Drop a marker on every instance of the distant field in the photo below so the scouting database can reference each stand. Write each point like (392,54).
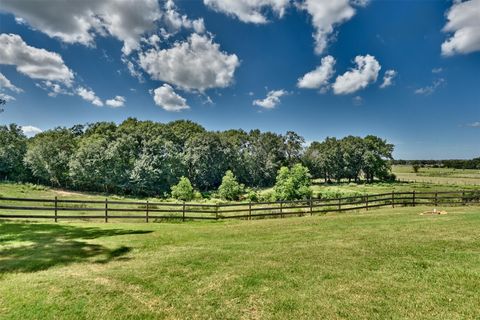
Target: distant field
(381,264)
(438,175)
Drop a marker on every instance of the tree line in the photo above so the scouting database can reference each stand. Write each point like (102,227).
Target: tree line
(451,163)
(147,158)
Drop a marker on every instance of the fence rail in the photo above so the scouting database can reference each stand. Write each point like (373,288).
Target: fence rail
(59,209)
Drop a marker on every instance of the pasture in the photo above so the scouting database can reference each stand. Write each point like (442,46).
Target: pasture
(386,263)
(445,176)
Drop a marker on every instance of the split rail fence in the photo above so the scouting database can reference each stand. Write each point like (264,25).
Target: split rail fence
(107,210)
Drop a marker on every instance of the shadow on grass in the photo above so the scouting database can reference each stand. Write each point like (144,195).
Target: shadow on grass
(26,247)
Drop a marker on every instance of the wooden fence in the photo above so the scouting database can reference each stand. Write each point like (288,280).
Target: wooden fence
(106,210)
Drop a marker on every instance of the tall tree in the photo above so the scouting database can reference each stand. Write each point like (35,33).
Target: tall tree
(13,147)
(48,156)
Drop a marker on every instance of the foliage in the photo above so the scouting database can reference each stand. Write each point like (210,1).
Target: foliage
(49,154)
(146,158)
(183,190)
(293,184)
(13,147)
(230,189)
(350,158)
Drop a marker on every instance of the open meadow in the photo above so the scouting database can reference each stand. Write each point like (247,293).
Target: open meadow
(386,263)
(446,176)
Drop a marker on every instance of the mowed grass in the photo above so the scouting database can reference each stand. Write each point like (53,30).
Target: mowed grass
(380,264)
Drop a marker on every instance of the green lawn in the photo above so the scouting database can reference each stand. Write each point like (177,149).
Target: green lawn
(380,264)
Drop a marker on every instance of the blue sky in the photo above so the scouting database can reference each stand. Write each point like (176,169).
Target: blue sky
(240,65)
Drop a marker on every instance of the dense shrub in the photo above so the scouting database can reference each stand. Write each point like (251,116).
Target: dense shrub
(230,189)
(183,190)
(293,184)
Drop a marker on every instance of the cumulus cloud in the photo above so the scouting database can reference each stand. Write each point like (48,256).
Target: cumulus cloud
(319,77)
(116,102)
(174,21)
(90,96)
(388,78)
(33,62)
(428,90)
(272,99)
(326,14)
(5,83)
(464,23)
(30,131)
(80,21)
(6,97)
(250,11)
(168,99)
(357,78)
(195,64)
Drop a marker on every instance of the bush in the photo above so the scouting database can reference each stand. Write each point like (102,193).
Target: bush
(252,195)
(230,189)
(293,184)
(183,190)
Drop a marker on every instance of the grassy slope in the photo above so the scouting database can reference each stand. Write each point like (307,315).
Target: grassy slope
(389,263)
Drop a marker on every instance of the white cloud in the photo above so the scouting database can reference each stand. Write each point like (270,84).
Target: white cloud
(250,11)
(357,101)
(80,21)
(464,23)
(6,97)
(388,78)
(272,99)
(475,124)
(116,102)
(168,99)
(174,21)
(359,77)
(195,64)
(5,83)
(326,14)
(428,90)
(90,96)
(319,77)
(437,70)
(30,131)
(33,62)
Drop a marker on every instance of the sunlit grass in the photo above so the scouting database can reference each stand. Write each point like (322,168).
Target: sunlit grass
(388,263)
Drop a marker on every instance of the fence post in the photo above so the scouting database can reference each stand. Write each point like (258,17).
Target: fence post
(366,203)
(393,199)
(436,199)
(311,206)
(339,204)
(464,201)
(413,198)
(281,209)
(250,210)
(146,213)
(56,208)
(106,210)
(216,211)
(183,212)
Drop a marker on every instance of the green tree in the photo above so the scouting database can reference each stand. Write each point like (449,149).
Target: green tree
(157,168)
(48,155)
(293,183)
(230,189)
(183,190)
(13,147)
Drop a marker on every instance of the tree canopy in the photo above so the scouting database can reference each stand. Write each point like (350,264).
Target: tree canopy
(147,158)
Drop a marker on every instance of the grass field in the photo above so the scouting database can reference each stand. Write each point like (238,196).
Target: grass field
(438,175)
(381,264)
